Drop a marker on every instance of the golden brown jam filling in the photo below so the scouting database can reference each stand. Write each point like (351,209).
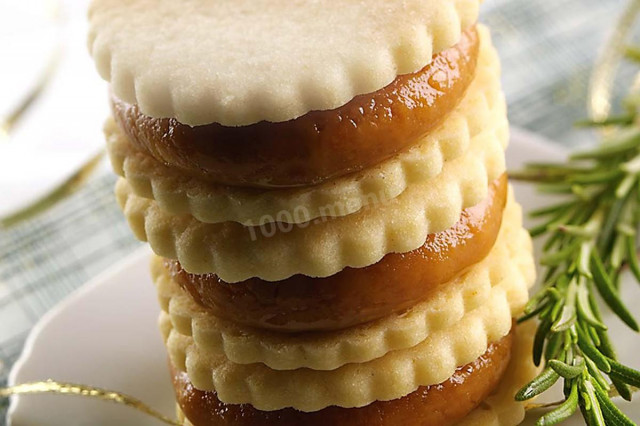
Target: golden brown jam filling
(443,404)
(319,145)
(354,295)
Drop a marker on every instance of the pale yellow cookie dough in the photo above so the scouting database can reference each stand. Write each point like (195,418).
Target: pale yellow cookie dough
(508,268)
(237,62)
(480,114)
(323,246)
(500,409)
(391,376)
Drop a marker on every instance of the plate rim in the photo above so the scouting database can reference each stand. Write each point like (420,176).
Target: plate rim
(74,297)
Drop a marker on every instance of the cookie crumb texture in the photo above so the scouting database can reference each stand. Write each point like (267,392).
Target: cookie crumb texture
(238,62)
(481,116)
(508,271)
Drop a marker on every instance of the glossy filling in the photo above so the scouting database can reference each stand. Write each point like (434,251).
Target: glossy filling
(319,145)
(443,404)
(354,295)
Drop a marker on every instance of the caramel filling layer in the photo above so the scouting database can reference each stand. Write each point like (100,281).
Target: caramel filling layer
(443,404)
(319,145)
(354,295)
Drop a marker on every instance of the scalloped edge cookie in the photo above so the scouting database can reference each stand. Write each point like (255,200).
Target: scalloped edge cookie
(324,246)
(256,70)
(391,376)
(508,266)
(482,110)
(499,409)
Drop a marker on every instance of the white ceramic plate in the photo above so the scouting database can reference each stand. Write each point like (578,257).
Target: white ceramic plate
(105,335)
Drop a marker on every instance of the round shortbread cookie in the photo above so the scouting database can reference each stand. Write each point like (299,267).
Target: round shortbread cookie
(508,267)
(324,246)
(480,114)
(237,62)
(500,409)
(391,376)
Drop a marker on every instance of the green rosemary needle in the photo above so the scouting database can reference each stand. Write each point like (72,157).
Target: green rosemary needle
(590,238)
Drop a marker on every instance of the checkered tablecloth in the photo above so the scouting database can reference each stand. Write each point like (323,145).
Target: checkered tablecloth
(548,48)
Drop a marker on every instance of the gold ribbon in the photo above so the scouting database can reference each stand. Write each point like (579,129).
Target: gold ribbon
(604,72)
(62,191)
(60,388)
(33,94)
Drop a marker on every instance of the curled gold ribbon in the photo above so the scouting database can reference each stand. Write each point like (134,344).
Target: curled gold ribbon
(7,123)
(61,388)
(603,76)
(62,191)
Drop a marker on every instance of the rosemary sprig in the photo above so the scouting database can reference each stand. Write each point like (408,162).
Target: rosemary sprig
(590,238)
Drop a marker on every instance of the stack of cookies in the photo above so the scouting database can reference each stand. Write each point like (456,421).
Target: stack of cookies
(324,188)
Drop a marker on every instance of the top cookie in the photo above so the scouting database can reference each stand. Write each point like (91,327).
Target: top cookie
(237,62)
